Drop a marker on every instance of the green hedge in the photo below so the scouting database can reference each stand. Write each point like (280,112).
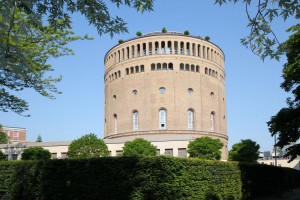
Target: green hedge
(140,178)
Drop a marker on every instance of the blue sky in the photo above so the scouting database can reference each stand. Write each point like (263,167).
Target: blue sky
(252,86)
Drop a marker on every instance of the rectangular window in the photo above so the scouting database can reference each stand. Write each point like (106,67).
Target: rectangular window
(182,153)
(16,134)
(168,152)
(63,155)
(135,121)
(53,155)
(190,120)
(162,119)
(157,152)
(119,153)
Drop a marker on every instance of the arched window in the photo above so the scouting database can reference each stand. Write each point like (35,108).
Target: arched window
(212,121)
(144,49)
(142,68)
(132,51)
(175,47)
(209,71)
(190,119)
(181,66)
(152,67)
(197,69)
(135,121)
(169,47)
(181,48)
(116,75)
(131,70)
(206,70)
(192,68)
(162,119)
(187,67)
(188,49)
(115,123)
(193,49)
(127,71)
(150,48)
(137,69)
(163,47)
(165,66)
(138,50)
(156,48)
(119,74)
(158,66)
(127,50)
(170,67)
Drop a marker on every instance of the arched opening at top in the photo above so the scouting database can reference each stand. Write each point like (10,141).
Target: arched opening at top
(170,66)
(156,48)
(169,47)
(190,119)
(163,47)
(165,66)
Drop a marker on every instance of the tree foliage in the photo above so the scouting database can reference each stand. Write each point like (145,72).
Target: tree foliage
(286,123)
(27,42)
(3,137)
(262,40)
(205,148)
(139,147)
(2,156)
(244,151)
(88,146)
(35,153)
(39,138)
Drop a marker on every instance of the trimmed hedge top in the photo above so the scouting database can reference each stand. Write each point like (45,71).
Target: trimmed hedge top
(140,178)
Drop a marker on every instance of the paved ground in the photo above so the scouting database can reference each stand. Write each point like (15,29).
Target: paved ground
(291,195)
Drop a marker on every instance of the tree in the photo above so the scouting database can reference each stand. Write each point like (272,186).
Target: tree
(163,30)
(2,156)
(35,153)
(286,123)
(262,40)
(39,138)
(3,137)
(244,151)
(205,148)
(26,43)
(139,147)
(88,146)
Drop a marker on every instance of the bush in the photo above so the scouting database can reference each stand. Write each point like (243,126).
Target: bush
(141,178)
(121,41)
(139,147)
(205,148)
(207,38)
(164,30)
(88,146)
(2,156)
(139,33)
(35,153)
(186,32)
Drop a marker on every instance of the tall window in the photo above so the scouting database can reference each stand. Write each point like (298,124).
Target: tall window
(212,121)
(190,119)
(135,121)
(115,123)
(162,119)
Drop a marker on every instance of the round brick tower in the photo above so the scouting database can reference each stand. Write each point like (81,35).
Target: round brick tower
(164,84)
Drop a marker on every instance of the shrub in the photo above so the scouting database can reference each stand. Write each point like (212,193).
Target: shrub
(139,34)
(88,146)
(205,148)
(164,30)
(2,156)
(139,147)
(207,38)
(186,32)
(121,41)
(35,153)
